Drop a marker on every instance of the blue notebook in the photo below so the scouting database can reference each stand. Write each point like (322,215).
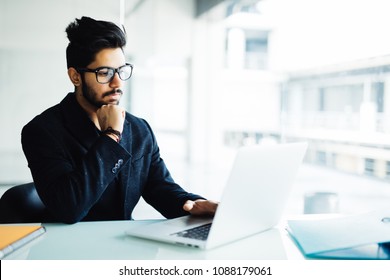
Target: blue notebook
(361,236)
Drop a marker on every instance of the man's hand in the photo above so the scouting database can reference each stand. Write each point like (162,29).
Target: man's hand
(200,207)
(111,116)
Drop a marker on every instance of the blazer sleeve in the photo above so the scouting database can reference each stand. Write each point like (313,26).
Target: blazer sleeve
(161,191)
(69,188)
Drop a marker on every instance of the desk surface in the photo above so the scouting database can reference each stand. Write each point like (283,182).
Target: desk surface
(107,240)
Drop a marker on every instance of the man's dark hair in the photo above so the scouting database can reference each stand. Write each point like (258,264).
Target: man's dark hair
(87,37)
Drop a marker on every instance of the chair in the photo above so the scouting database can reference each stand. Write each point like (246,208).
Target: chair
(21,204)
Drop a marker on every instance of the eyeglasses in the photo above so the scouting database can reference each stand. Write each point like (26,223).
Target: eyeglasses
(105,74)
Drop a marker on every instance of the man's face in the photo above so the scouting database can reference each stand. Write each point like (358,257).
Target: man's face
(98,94)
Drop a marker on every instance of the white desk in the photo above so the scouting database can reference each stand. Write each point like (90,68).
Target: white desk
(107,240)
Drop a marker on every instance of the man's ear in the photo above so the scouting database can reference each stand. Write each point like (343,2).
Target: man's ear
(74,76)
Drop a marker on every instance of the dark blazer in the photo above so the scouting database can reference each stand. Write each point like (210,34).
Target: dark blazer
(82,175)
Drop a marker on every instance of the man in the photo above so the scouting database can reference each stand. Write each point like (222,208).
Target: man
(91,160)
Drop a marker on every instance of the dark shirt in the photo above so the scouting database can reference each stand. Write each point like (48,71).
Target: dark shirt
(82,175)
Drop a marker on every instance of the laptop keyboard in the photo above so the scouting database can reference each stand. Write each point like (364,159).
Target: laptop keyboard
(200,232)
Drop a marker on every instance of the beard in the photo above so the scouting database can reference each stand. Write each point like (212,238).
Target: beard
(91,96)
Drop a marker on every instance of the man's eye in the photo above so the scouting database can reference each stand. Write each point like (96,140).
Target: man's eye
(104,73)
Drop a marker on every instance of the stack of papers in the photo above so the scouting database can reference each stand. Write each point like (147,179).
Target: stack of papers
(351,237)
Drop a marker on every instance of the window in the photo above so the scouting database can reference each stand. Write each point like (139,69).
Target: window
(388,169)
(369,166)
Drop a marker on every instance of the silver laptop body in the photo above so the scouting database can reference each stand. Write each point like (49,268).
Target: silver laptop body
(253,200)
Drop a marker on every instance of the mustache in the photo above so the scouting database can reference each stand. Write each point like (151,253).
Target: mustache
(114,91)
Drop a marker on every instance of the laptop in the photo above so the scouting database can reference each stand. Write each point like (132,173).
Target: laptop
(252,201)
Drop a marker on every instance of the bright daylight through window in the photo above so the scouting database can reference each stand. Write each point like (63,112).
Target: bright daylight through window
(303,70)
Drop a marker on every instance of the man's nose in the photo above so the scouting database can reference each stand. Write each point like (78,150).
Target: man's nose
(116,82)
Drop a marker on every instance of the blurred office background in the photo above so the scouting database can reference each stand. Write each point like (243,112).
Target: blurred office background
(211,76)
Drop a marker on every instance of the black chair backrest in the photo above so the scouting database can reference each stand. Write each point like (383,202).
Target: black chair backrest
(21,204)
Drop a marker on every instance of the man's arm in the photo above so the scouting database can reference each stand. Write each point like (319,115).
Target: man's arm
(68,178)
(160,190)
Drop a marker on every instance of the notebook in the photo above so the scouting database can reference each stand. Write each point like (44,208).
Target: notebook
(353,236)
(253,199)
(13,237)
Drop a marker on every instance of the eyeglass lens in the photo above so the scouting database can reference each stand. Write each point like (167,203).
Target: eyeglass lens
(105,75)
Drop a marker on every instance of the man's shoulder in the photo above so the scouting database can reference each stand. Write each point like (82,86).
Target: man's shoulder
(136,121)
(47,116)
(53,114)
(138,127)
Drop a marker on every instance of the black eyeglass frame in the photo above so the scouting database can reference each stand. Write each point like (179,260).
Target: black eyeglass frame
(116,70)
